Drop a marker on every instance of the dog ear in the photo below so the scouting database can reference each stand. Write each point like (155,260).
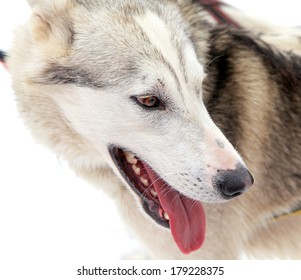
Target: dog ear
(50,23)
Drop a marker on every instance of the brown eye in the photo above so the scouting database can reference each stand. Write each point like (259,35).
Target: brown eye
(149,102)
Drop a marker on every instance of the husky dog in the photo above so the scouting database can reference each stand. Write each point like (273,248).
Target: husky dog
(162,108)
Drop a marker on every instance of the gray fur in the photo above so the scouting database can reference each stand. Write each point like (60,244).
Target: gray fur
(252,91)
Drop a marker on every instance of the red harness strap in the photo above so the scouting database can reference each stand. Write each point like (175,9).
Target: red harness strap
(213,8)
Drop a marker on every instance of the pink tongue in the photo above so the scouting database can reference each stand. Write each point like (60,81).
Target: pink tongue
(186,216)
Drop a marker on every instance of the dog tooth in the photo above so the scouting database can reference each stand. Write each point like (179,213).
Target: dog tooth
(144,181)
(154,193)
(136,169)
(130,158)
(165,215)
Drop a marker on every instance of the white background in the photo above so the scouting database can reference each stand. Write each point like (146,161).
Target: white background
(49,219)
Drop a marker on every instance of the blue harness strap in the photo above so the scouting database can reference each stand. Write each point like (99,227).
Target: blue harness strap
(3,57)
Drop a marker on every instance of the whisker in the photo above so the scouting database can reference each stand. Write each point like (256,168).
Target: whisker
(210,62)
(218,35)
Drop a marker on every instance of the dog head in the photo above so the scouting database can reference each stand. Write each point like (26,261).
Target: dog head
(124,77)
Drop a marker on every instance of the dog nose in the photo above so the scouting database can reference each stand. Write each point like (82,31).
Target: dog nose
(232,183)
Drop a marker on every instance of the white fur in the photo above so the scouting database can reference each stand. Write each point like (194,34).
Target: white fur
(80,122)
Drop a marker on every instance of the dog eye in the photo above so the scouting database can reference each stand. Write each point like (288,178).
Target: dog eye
(150,102)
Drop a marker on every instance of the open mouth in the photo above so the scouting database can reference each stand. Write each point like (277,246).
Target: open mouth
(185,217)
(134,171)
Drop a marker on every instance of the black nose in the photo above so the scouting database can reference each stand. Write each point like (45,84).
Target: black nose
(232,183)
